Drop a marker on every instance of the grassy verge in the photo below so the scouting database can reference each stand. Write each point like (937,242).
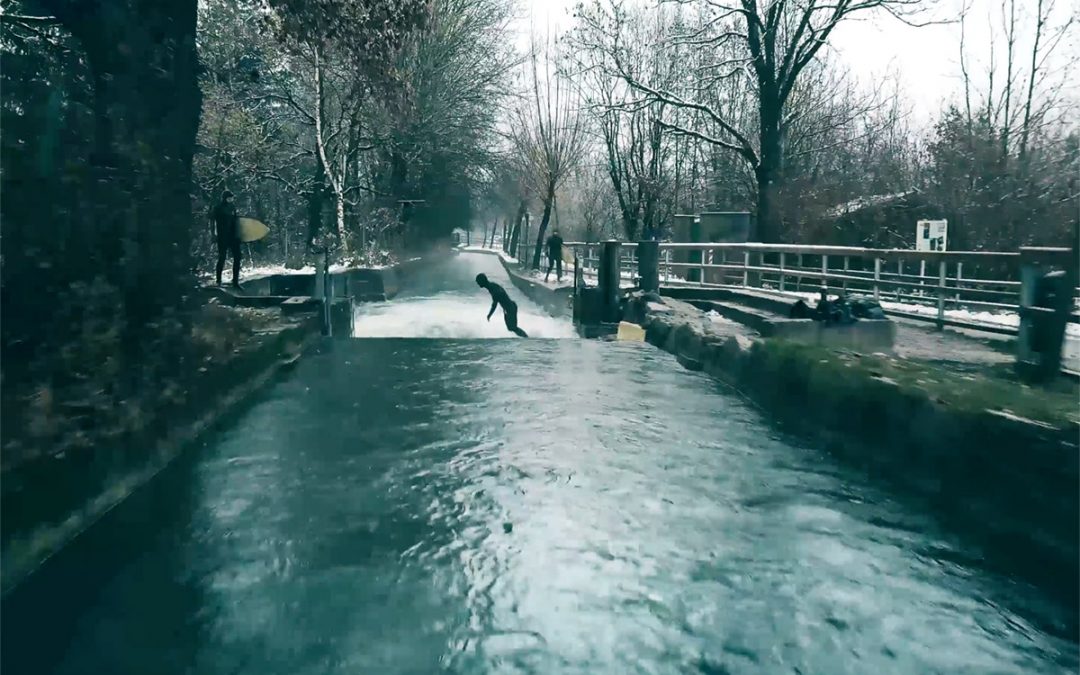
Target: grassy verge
(989,389)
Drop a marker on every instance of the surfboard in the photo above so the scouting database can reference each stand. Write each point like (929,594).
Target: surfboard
(251,229)
(630,332)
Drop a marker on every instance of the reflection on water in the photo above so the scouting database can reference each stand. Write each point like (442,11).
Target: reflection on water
(534,506)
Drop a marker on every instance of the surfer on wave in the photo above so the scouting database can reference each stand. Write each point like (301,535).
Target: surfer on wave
(500,297)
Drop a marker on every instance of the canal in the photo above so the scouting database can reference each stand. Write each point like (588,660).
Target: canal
(433,504)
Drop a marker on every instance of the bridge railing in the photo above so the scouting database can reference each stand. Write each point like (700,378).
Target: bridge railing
(926,282)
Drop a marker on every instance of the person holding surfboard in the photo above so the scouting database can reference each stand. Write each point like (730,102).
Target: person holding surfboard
(227,226)
(500,297)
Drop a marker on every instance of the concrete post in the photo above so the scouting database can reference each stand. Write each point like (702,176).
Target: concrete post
(1047,286)
(609,280)
(649,265)
(940,295)
(327,293)
(959,278)
(688,230)
(877,279)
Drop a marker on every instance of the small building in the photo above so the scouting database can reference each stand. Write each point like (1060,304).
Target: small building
(723,227)
(459,236)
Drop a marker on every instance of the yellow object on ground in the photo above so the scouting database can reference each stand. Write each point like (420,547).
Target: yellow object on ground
(630,332)
(251,229)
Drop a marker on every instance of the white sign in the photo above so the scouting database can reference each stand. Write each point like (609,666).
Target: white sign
(931,235)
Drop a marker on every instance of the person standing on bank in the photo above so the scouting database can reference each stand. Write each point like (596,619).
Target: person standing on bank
(227,230)
(554,251)
(499,297)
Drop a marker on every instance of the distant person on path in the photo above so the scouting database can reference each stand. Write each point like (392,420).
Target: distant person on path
(226,224)
(554,251)
(499,297)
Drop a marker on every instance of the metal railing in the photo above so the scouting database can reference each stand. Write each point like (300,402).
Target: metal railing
(970,280)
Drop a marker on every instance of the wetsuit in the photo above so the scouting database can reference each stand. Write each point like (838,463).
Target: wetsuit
(499,298)
(554,250)
(228,239)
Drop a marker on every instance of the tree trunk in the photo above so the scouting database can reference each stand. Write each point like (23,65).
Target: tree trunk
(315,205)
(339,210)
(147,105)
(336,182)
(768,174)
(543,229)
(515,233)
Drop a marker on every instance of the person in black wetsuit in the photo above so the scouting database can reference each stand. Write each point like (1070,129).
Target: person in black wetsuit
(226,226)
(554,251)
(499,297)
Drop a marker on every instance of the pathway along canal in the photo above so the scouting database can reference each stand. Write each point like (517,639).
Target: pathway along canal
(544,506)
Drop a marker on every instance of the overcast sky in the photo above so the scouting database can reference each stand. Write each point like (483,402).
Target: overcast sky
(926,59)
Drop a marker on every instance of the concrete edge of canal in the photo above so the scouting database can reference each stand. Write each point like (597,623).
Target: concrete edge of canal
(1017,477)
(125,471)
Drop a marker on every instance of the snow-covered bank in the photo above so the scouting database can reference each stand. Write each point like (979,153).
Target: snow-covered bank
(247,272)
(999,318)
(497,251)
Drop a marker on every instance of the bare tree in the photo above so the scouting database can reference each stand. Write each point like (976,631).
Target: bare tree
(768,46)
(548,133)
(637,152)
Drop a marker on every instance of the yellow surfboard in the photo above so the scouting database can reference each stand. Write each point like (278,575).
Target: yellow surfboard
(630,332)
(251,229)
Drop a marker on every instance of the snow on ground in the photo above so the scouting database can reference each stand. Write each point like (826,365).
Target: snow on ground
(716,317)
(248,272)
(484,249)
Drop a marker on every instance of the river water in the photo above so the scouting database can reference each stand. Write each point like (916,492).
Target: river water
(519,506)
